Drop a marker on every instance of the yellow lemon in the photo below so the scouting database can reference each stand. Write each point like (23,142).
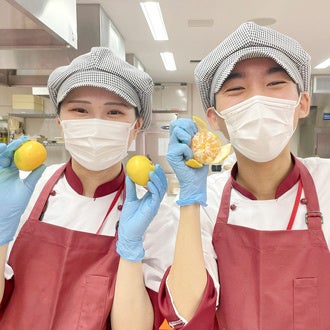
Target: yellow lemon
(138,168)
(30,155)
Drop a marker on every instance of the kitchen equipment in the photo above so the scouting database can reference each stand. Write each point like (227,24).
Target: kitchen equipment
(3,131)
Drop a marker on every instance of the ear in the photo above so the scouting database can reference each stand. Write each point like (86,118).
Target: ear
(137,127)
(212,118)
(304,105)
(58,122)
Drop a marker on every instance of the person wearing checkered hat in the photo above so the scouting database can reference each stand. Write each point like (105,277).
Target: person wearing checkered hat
(252,249)
(90,250)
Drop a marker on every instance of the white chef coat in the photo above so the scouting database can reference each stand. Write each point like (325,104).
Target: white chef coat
(73,211)
(263,214)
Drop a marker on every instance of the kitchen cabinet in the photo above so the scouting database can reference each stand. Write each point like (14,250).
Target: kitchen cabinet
(171,97)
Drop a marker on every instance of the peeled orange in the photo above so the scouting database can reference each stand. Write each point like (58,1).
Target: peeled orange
(138,168)
(205,145)
(30,155)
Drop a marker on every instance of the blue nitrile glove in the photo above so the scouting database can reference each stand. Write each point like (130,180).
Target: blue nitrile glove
(138,213)
(192,180)
(14,192)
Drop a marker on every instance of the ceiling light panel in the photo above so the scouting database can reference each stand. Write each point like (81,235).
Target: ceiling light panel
(324,64)
(154,17)
(168,60)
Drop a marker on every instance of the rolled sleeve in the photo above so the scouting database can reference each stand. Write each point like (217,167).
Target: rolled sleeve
(205,315)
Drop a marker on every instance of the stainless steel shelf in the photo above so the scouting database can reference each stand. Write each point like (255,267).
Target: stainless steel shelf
(31,115)
(53,144)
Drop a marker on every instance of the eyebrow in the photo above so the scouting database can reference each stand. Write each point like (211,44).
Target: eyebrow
(106,103)
(276,69)
(271,70)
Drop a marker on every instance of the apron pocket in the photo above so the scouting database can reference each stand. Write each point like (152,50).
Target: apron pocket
(306,304)
(94,307)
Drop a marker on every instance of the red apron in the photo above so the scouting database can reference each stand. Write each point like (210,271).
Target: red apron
(64,279)
(273,280)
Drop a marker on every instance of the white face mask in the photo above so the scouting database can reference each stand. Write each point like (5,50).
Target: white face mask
(260,127)
(96,144)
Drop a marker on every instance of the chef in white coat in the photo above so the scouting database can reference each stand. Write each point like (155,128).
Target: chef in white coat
(85,254)
(264,235)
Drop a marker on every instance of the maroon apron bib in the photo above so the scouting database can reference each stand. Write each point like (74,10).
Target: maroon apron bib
(273,280)
(64,279)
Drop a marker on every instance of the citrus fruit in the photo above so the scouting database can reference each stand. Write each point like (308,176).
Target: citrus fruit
(223,154)
(30,155)
(138,168)
(205,146)
(193,163)
(200,123)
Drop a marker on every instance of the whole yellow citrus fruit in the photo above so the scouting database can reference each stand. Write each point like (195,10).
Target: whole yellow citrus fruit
(138,168)
(30,155)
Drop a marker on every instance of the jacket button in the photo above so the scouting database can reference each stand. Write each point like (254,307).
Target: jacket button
(303,201)
(233,207)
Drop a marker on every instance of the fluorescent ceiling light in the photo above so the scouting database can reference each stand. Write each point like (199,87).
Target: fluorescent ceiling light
(154,17)
(324,64)
(168,60)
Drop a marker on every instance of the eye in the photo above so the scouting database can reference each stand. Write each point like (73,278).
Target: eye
(234,89)
(79,110)
(232,86)
(276,82)
(114,112)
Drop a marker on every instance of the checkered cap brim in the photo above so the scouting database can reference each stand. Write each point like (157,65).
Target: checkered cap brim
(101,68)
(249,41)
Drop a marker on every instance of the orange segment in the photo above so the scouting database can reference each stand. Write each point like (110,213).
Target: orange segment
(205,146)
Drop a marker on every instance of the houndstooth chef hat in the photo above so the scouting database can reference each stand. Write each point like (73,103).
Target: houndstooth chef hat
(101,68)
(248,41)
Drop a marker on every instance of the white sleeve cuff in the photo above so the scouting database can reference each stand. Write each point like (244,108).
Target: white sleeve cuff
(181,320)
(9,273)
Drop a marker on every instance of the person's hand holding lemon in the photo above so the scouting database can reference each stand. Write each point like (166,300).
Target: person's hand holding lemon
(138,168)
(137,212)
(14,192)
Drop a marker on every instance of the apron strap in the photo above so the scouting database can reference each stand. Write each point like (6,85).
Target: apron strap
(223,213)
(313,217)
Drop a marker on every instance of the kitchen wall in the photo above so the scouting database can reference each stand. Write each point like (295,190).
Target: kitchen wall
(35,127)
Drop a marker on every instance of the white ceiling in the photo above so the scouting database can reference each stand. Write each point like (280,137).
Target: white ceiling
(307,21)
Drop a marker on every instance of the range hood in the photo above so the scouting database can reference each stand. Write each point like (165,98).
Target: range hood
(41,23)
(38,36)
